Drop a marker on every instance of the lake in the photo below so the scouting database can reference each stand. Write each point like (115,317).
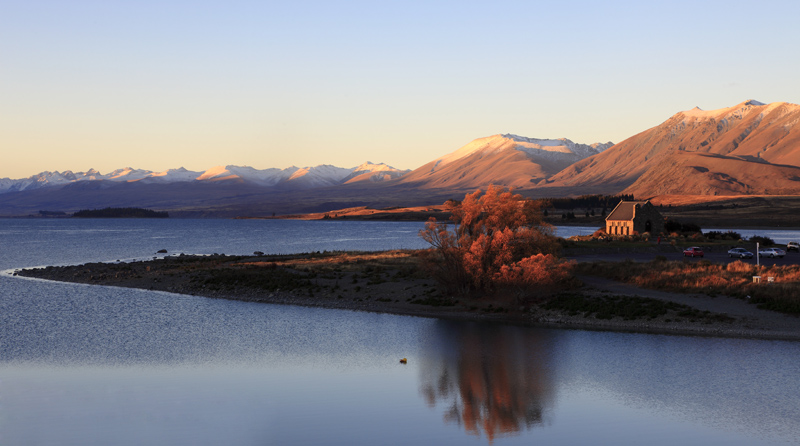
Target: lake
(93,365)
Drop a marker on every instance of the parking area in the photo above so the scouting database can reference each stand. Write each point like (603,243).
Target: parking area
(791,258)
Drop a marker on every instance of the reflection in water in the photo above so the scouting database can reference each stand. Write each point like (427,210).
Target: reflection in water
(731,385)
(84,364)
(490,379)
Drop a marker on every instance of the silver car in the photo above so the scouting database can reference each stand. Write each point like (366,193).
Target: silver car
(771,252)
(740,253)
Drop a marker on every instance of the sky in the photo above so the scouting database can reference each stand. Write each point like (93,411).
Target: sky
(165,84)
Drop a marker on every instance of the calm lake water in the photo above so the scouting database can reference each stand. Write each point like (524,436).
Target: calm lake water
(91,365)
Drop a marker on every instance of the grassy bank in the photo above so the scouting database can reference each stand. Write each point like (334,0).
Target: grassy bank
(734,279)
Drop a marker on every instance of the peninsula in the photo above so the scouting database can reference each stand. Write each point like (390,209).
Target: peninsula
(393,282)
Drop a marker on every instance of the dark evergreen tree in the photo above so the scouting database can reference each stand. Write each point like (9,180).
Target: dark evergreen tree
(120,213)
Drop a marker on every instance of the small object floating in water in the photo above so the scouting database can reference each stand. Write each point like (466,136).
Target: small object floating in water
(403,361)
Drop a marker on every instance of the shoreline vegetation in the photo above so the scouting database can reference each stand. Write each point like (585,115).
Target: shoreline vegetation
(744,211)
(120,213)
(395,282)
(108,212)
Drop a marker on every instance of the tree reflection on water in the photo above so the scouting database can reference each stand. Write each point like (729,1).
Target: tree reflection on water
(488,378)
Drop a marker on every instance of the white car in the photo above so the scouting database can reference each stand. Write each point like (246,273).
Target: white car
(771,252)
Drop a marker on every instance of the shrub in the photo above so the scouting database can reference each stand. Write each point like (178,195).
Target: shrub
(762,240)
(627,308)
(536,270)
(672,226)
(499,239)
(740,267)
(690,227)
(719,235)
(270,279)
(732,235)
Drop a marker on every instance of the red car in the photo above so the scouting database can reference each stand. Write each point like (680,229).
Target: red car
(694,251)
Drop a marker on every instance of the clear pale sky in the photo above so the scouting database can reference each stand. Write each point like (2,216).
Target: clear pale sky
(163,84)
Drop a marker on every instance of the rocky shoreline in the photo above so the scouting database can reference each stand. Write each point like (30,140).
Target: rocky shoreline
(390,282)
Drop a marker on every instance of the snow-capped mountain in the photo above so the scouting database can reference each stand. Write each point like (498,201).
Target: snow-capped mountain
(265,177)
(749,148)
(374,173)
(128,174)
(47,178)
(561,149)
(291,177)
(553,150)
(169,176)
(508,160)
(319,176)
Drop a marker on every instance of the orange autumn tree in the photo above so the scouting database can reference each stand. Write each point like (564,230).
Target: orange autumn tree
(498,240)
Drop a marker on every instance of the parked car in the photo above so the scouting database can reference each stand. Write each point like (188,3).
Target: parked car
(740,253)
(694,251)
(793,246)
(771,252)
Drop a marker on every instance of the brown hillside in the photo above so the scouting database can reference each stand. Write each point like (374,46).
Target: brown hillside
(508,168)
(506,160)
(750,148)
(686,173)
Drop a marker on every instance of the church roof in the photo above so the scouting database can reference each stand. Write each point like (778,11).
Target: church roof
(624,210)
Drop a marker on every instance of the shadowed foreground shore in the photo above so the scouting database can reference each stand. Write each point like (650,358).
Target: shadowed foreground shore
(392,282)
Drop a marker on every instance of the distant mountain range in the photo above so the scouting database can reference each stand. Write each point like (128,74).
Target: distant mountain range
(750,148)
(291,177)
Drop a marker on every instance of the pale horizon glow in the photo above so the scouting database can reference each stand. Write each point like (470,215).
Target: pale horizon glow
(162,85)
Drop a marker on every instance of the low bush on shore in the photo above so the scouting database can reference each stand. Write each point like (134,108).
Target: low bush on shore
(762,240)
(732,279)
(725,236)
(629,308)
(433,301)
(269,279)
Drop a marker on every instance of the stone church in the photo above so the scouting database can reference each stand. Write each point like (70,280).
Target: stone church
(634,217)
